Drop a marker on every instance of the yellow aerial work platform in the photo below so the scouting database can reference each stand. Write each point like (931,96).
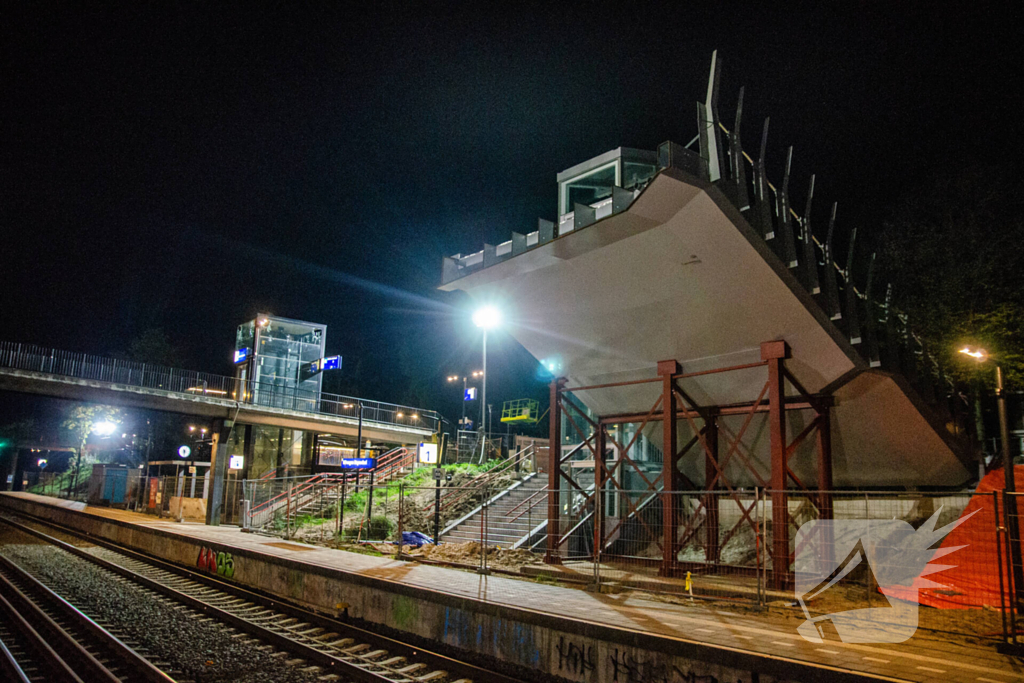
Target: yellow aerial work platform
(520,411)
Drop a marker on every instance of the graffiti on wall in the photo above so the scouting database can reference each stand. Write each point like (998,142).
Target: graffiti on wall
(629,669)
(575,659)
(221,564)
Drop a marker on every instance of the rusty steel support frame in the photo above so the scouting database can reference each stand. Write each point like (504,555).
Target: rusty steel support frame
(667,370)
(774,354)
(673,405)
(554,471)
(712,549)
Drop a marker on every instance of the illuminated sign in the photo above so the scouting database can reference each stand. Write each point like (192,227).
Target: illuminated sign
(236,462)
(470,394)
(242,355)
(358,463)
(428,453)
(308,370)
(184,451)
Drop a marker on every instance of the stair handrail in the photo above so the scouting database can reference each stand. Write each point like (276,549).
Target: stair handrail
(498,496)
(309,482)
(387,467)
(525,500)
(460,493)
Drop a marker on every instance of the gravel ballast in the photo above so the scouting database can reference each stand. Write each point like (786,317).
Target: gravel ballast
(197,649)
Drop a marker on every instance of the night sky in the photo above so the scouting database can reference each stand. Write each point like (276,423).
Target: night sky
(185,166)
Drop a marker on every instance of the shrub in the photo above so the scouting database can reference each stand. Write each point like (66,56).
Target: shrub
(379,528)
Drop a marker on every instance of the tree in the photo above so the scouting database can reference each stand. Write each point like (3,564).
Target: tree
(952,250)
(81,422)
(153,346)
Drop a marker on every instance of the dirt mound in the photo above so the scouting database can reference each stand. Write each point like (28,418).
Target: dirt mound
(468,553)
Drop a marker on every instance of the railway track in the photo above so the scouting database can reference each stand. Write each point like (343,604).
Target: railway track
(342,652)
(46,638)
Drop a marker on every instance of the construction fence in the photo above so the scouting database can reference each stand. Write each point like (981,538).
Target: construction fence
(948,562)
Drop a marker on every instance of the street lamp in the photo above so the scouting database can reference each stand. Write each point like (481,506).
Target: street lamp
(486,318)
(465,388)
(1009,484)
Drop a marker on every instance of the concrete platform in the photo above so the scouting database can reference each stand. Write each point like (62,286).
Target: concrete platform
(563,632)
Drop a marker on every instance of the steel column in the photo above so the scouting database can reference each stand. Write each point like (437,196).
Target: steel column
(712,552)
(670,472)
(554,471)
(599,481)
(825,464)
(774,353)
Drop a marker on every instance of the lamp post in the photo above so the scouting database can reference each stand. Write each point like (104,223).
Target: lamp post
(486,318)
(465,387)
(1009,483)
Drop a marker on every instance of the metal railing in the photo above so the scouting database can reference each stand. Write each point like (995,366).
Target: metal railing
(190,383)
(452,497)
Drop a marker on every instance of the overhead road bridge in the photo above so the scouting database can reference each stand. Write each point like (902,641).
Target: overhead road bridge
(80,377)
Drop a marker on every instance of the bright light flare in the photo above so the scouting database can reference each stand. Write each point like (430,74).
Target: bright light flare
(487,318)
(104,428)
(976,354)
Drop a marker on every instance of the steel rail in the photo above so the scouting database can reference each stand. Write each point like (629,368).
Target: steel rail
(81,644)
(9,666)
(19,634)
(345,649)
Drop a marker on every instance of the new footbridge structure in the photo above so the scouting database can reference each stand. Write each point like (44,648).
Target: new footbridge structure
(686,308)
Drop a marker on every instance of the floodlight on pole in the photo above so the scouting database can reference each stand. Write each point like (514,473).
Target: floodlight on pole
(486,318)
(104,428)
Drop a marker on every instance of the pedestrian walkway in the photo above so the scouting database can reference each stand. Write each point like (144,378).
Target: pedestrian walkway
(929,656)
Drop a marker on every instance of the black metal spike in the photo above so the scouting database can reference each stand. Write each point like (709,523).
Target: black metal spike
(851,312)
(785,223)
(831,285)
(738,178)
(709,131)
(810,258)
(762,200)
(871,345)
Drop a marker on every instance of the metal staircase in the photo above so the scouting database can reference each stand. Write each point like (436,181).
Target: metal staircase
(511,518)
(286,499)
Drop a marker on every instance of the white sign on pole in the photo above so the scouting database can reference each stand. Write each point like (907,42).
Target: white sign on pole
(237,462)
(428,453)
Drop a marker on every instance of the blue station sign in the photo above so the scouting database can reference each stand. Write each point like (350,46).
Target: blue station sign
(242,355)
(358,463)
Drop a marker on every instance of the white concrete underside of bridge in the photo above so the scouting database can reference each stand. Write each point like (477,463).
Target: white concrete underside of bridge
(201,406)
(682,275)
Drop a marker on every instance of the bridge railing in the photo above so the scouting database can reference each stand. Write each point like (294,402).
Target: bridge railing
(192,383)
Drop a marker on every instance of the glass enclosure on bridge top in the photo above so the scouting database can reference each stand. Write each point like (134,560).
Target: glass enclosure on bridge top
(273,356)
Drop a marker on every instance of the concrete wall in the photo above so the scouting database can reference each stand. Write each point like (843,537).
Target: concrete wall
(530,642)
